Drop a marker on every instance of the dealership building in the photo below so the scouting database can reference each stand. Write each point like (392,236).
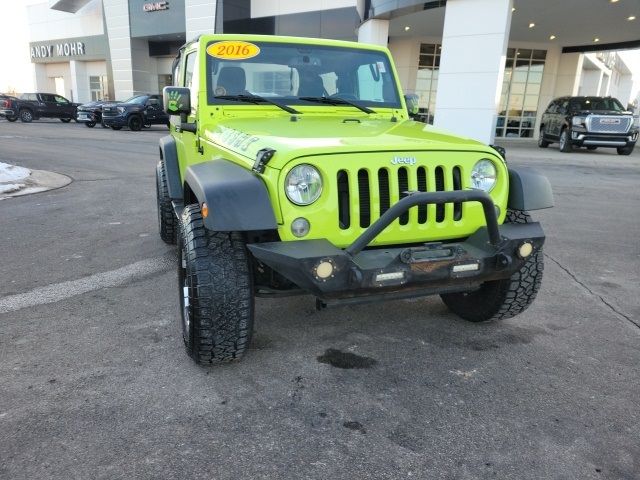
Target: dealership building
(482,68)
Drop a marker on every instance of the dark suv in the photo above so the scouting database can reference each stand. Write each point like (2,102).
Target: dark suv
(590,122)
(137,112)
(91,113)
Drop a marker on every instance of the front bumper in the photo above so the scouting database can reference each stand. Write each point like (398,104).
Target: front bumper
(582,138)
(84,116)
(119,121)
(330,273)
(6,112)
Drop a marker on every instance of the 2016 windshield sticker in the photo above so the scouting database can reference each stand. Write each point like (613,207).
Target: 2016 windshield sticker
(233,50)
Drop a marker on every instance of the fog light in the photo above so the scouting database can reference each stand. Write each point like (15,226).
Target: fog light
(466,267)
(300,227)
(525,249)
(324,269)
(385,277)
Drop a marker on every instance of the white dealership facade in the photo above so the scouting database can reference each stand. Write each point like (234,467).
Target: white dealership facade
(482,68)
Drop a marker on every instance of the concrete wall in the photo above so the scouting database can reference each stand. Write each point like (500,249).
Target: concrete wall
(46,24)
(117,22)
(200,17)
(474,44)
(266,8)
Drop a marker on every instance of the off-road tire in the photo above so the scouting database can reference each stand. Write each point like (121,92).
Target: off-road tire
(12,118)
(625,150)
(65,120)
(501,299)
(135,123)
(26,115)
(542,143)
(215,289)
(167,220)
(90,124)
(565,141)
(116,128)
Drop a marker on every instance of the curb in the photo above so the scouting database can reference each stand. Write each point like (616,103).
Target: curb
(39,181)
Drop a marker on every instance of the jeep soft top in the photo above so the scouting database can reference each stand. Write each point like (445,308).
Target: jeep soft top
(294,166)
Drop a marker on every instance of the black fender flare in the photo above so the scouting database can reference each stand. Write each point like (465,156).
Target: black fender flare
(169,155)
(528,190)
(237,198)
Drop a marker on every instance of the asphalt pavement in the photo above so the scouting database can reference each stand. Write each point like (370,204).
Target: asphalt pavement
(95,383)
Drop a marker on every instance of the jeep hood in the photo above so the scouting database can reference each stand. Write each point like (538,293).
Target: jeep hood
(324,135)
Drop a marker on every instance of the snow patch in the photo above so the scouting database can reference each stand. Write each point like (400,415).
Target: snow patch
(10,187)
(12,173)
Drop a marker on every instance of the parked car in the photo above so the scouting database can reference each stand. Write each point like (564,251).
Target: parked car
(590,122)
(8,107)
(137,112)
(33,106)
(328,187)
(91,113)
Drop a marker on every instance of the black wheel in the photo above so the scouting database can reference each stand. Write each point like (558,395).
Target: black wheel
(26,115)
(215,289)
(542,143)
(565,141)
(625,150)
(591,147)
(12,118)
(65,120)
(501,299)
(90,124)
(116,128)
(167,220)
(135,123)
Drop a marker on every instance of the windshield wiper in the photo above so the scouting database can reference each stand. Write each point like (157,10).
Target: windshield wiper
(257,99)
(337,101)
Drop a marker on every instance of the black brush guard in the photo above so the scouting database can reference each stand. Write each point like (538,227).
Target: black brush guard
(491,253)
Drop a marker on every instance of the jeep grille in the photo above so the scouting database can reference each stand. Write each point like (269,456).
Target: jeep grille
(388,186)
(600,124)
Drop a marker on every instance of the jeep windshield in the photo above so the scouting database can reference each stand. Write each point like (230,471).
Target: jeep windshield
(595,103)
(300,74)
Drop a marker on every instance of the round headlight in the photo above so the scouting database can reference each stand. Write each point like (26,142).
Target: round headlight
(303,185)
(483,175)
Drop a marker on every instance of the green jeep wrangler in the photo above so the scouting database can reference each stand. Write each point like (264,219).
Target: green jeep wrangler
(293,166)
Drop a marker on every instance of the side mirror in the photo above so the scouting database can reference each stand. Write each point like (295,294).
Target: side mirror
(412,104)
(177,100)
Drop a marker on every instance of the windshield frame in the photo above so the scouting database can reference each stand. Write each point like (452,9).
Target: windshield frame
(295,99)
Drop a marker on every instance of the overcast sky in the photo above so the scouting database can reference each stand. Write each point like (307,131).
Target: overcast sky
(16,69)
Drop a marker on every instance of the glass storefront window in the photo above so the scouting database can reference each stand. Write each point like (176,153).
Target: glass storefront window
(98,88)
(427,80)
(520,92)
